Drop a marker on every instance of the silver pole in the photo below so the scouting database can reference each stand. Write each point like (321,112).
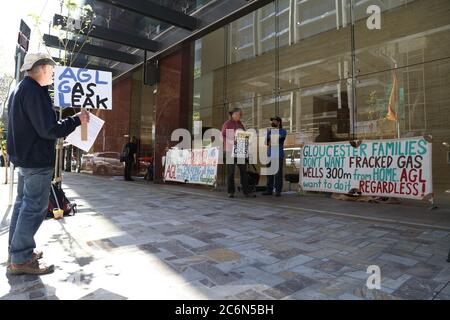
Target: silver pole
(11,166)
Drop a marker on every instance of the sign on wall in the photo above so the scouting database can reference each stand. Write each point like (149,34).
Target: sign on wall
(82,88)
(197,166)
(394,168)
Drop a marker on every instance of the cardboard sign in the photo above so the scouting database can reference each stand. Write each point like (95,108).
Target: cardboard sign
(398,168)
(76,139)
(198,166)
(241,144)
(83,88)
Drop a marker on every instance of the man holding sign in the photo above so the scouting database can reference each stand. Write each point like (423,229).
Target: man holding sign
(34,128)
(230,130)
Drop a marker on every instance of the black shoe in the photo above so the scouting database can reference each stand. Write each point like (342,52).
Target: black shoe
(278,194)
(267,193)
(231,195)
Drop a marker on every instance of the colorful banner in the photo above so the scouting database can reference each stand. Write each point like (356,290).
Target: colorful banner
(83,88)
(197,166)
(398,168)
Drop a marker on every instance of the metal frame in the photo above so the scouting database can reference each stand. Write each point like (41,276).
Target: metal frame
(112,35)
(92,50)
(156,11)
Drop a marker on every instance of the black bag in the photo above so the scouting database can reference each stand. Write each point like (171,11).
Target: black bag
(253,181)
(58,200)
(253,177)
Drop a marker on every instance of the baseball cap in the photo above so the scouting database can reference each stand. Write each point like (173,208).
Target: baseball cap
(276,118)
(34,59)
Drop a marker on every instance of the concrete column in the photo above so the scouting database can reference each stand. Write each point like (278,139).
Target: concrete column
(173,107)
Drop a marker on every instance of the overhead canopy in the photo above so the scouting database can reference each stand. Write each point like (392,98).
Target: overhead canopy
(122,30)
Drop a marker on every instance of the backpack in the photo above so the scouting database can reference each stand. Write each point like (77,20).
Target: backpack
(58,200)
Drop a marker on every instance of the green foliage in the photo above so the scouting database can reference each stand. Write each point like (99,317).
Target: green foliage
(2,139)
(5,82)
(79,19)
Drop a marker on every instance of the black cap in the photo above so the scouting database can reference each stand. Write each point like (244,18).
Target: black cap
(276,118)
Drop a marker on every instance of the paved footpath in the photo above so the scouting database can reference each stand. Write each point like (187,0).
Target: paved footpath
(144,241)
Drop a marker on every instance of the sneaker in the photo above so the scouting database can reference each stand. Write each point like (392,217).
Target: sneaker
(267,193)
(231,195)
(30,267)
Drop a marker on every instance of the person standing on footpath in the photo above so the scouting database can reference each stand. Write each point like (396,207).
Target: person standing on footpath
(129,154)
(277,156)
(33,129)
(234,124)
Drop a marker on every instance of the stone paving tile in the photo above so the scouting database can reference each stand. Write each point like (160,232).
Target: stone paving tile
(415,288)
(287,264)
(372,294)
(310,294)
(216,275)
(289,287)
(399,259)
(260,256)
(395,284)
(223,255)
(251,295)
(330,266)
(232,265)
(102,294)
(424,270)
(312,273)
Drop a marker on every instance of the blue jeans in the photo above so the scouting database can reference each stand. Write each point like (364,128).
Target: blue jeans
(30,209)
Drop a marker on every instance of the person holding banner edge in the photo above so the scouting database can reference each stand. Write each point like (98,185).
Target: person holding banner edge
(231,126)
(34,129)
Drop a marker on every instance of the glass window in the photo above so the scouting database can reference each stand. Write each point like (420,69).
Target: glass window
(412,32)
(251,55)
(305,39)
(209,70)
(419,107)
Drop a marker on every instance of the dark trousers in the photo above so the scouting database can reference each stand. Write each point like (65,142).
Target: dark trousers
(30,209)
(230,177)
(277,178)
(128,168)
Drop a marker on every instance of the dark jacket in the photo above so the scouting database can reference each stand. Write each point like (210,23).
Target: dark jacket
(33,126)
(130,150)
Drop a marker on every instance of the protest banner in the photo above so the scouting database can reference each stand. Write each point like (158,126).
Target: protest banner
(198,166)
(398,168)
(241,146)
(82,88)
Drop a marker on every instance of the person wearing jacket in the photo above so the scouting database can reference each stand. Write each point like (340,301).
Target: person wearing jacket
(129,153)
(278,153)
(33,129)
(234,124)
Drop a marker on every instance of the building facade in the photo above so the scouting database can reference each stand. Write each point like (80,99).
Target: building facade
(331,69)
